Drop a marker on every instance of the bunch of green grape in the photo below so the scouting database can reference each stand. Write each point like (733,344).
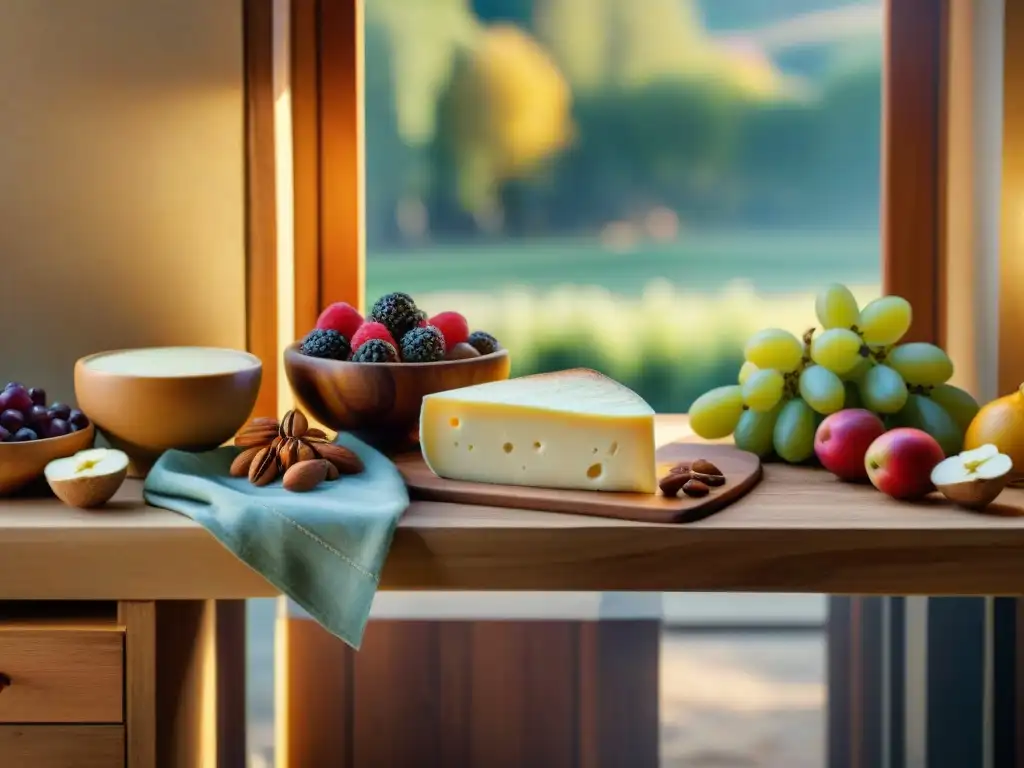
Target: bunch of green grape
(787,385)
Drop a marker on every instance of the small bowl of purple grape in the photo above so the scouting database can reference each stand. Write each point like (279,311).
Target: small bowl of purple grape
(34,432)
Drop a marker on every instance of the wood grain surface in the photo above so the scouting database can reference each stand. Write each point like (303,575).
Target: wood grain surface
(742,470)
(62,746)
(61,675)
(799,530)
(381,397)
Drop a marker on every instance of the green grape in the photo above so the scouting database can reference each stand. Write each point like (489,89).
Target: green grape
(882,390)
(837,349)
(715,414)
(746,370)
(763,390)
(755,431)
(793,436)
(822,390)
(921,363)
(957,403)
(774,348)
(836,307)
(852,399)
(925,414)
(885,320)
(856,373)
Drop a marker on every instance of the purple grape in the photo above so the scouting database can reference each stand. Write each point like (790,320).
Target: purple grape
(24,435)
(17,399)
(39,417)
(12,420)
(60,411)
(78,419)
(12,385)
(57,428)
(38,395)
(5,436)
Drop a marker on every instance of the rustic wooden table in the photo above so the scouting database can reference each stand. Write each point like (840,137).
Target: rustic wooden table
(798,531)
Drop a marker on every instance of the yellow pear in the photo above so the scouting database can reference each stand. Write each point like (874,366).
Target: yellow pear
(1001,423)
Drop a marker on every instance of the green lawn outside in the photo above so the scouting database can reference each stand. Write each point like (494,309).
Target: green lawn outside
(668,321)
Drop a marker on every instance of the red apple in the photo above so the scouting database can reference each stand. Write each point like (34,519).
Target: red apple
(842,441)
(900,463)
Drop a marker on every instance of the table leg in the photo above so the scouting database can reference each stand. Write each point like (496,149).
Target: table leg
(200,683)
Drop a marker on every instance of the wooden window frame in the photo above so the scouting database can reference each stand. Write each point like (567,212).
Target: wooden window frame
(326,89)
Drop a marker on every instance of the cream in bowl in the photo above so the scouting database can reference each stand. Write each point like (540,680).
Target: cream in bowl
(146,401)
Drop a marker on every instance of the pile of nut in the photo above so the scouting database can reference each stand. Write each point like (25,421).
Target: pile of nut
(302,456)
(695,479)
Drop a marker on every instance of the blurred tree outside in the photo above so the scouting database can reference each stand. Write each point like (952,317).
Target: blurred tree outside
(566,115)
(523,154)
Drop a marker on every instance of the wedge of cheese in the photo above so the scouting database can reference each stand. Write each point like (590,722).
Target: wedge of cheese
(572,429)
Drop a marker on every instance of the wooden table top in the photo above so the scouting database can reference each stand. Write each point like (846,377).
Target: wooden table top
(798,531)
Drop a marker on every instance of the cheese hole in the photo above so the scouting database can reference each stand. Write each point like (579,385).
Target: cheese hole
(538,447)
(507,447)
(469,447)
(594,471)
(595,450)
(454,421)
(614,449)
(456,443)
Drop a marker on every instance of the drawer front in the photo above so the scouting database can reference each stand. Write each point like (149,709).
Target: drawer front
(62,746)
(61,675)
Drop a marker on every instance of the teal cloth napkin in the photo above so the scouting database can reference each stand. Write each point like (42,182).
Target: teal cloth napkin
(324,549)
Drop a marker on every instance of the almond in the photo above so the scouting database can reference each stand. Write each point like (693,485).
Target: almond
(305,476)
(705,467)
(294,424)
(341,457)
(263,421)
(240,466)
(673,482)
(293,450)
(712,480)
(680,469)
(332,471)
(315,434)
(695,488)
(263,468)
(255,435)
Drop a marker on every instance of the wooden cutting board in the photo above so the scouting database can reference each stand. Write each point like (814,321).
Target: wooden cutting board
(742,472)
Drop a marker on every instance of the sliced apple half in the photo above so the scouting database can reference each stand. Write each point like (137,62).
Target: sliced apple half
(973,479)
(89,478)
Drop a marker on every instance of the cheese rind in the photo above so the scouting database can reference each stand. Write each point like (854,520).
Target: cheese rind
(574,429)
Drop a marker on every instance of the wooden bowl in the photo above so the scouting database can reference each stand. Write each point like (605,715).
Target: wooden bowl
(381,401)
(145,415)
(21,463)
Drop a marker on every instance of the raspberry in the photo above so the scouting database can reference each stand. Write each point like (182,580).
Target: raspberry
(340,317)
(452,326)
(371,330)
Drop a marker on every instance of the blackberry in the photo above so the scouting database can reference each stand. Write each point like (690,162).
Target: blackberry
(375,351)
(327,344)
(397,312)
(483,343)
(423,345)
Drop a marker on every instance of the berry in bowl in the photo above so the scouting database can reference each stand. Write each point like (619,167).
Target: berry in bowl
(369,375)
(34,433)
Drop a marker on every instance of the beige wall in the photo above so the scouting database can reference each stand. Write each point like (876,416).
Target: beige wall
(121,180)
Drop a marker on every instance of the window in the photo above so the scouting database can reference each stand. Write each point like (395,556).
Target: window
(601,233)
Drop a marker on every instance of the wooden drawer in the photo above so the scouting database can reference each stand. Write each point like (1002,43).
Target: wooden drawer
(61,672)
(62,746)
